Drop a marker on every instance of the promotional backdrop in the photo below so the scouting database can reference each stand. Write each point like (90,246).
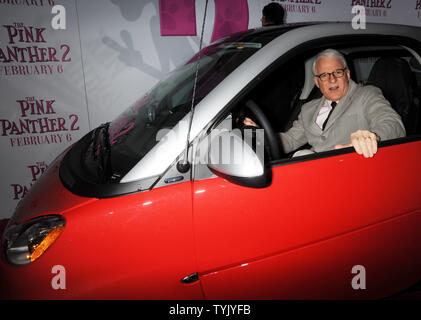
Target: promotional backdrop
(56,84)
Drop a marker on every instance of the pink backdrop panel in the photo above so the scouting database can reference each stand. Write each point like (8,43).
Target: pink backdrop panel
(230,17)
(177,18)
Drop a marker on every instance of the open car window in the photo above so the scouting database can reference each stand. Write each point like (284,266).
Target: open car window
(286,87)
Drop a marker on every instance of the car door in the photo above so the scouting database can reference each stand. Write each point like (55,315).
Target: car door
(337,226)
(330,225)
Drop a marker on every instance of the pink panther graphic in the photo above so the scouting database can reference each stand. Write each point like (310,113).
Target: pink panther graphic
(178,18)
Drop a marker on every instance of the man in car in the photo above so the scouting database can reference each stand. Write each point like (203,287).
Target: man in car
(347,115)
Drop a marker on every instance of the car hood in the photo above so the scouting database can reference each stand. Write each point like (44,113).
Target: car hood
(48,196)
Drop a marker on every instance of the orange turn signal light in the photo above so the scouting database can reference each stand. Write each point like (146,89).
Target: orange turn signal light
(45,243)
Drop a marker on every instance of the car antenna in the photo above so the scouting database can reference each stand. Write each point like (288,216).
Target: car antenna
(183,166)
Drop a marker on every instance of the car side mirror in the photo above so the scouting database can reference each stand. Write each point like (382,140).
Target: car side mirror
(231,157)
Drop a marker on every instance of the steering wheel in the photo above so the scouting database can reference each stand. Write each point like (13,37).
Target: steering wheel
(267,127)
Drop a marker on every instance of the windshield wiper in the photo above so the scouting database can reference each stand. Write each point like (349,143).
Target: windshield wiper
(101,152)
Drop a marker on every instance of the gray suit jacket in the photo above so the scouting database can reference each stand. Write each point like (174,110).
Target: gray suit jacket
(363,107)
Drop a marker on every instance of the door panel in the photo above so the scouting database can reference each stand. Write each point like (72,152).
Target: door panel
(307,203)
(323,270)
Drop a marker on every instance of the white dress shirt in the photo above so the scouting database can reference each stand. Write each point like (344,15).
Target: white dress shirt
(323,113)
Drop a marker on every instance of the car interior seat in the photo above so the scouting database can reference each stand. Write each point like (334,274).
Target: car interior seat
(394,77)
(308,92)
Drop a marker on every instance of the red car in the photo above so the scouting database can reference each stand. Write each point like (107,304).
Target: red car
(141,208)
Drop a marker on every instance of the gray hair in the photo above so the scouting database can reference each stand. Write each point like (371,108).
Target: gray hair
(332,53)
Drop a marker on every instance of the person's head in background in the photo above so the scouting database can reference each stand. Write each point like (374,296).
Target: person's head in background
(273,14)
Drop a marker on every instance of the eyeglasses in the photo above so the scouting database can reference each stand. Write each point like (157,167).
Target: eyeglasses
(338,73)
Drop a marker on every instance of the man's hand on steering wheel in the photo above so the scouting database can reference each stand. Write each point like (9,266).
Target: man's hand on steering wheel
(249,122)
(271,138)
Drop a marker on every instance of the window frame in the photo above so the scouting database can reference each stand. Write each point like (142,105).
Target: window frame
(316,45)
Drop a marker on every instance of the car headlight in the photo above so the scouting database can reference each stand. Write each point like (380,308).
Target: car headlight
(25,243)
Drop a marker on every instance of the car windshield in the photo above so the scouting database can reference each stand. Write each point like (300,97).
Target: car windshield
(117,146)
